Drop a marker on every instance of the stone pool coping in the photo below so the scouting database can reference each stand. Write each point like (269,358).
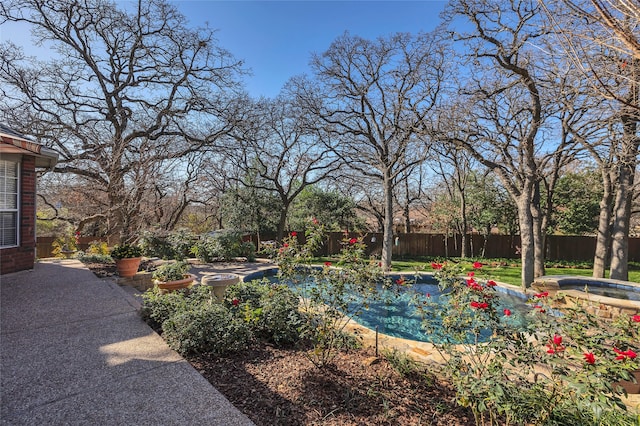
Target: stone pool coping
(603,306)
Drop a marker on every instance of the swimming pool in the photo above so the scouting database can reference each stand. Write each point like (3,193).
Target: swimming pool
(395,314)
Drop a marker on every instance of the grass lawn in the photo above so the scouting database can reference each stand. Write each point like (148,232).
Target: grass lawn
(503,270)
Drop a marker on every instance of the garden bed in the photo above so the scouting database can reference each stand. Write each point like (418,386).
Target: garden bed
(282,387)
(275,386)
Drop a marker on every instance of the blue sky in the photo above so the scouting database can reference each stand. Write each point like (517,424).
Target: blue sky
(276,38)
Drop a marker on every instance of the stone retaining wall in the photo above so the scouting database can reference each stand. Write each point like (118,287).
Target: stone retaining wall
(141,281)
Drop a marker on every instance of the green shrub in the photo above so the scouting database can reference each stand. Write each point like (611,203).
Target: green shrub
(123,251)
(223,246)
(207,249)
(270,309)
(157,307)
(172,271)
(210,328)
(249,293)
(154,245)
(173,245)
(192,321)
(98,247)
(87,257)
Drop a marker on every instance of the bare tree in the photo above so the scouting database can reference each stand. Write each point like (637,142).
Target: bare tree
(375,99)
(454,166)
(411,190)
(366,194)
(281,151)
(217,177)
(601,40)
(127,92)
(501,114)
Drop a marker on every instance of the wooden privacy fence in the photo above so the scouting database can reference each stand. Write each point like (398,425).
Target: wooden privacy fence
(559,247)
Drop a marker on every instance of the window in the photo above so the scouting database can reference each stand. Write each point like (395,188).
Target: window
(9,203)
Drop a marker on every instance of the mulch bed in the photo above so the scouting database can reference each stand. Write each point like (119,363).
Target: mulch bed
(281,387)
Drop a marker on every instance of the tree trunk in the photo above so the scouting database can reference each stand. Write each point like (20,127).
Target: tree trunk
(407,219)
(464,251)
(620,231)
(485,241)
(538,238)
(282,223)
(603,236)
(387,237)
(525,220)
(622,206)
(627,161)
(446,243)
(116,217)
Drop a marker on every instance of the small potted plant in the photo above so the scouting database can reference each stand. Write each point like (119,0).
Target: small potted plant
(127,257)
(173,276)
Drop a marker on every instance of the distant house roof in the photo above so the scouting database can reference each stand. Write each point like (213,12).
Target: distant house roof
(12,142)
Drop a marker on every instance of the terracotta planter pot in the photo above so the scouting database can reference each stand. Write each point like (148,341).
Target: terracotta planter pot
(176,285)
(128,266)
(219,283)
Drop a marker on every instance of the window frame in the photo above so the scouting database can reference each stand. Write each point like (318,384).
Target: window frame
(16,160)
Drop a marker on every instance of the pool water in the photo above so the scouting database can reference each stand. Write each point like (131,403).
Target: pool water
(395,314)
(624,293)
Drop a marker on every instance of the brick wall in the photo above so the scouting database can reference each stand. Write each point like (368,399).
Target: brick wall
(21,258)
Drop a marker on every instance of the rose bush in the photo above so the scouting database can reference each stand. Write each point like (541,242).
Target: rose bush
(549,367)
(330,296)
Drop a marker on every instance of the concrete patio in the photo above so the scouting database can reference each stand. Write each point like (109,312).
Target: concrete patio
(74,351)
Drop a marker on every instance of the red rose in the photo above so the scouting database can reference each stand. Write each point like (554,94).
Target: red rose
(507,312)
(477,265)
(473,285)
(555,345)
(589,358)
(625,354)
(235,302)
